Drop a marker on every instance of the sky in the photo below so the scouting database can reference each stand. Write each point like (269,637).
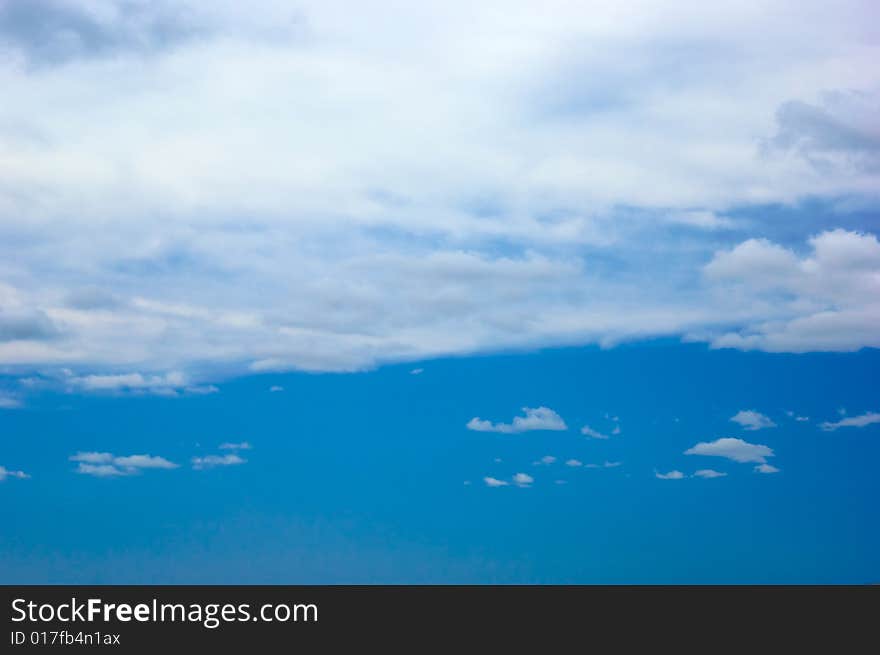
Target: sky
(280,283)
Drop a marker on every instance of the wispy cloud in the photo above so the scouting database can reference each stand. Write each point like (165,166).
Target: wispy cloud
(10,402)
(868,418)
(244,445)
(540,418)
(6,473)
(574,463)
(766,468)
(546,459)
(276,389)
(494,482)
(709,473)
(211,461)
(100,464)
(752,420)
(733,449)
(671,475)
(590,432)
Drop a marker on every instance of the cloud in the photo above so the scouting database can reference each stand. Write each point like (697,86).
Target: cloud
(752,420)
(605,464)
(710,473)
(417,371)
(672,475)
(379,236)
(494,482)
(868,418)
(826,301)
(523,479)
(10,402)
(102,464)
(6,473)
(167,384)
(540,418)
(276,389)
(244,445)
(766,468)
(590,432)
(202,390)
(574,463)
(546,459)
(733,449)
(210,461)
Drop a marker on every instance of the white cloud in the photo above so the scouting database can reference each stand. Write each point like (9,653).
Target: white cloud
(801,419)
(202,390)
(752,420)
(101,464)
(6,473)
(523,479)
(540,418)
(244,445)
(733,449)
(616,430)
(590,432)
(546,459)
(417,371)
(474,216)
(672,475)
(9,402)
(494,482)
(210,461)
(709,473)
(826,301)
(606,464)
(276,389)
(868,418)
(574,463)
(166,384)
(766,468)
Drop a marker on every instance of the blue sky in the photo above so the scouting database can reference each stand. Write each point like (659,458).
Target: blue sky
(361,477)
(661,212)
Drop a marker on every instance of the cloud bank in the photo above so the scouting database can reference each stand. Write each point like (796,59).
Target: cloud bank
(442,178)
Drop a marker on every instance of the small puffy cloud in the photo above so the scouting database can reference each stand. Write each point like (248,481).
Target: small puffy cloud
(276,389)
(523,479)
(709,473)
(732,448)
(244,445)
(752,420)
(864,420)
(540,418)
(574,463)
(766,468)
(590,432)
(6,473)
(546,459)
(494,482)
(672,475)
(417,371)
(100,464)
(9,402)
(210,461)
(801,418)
